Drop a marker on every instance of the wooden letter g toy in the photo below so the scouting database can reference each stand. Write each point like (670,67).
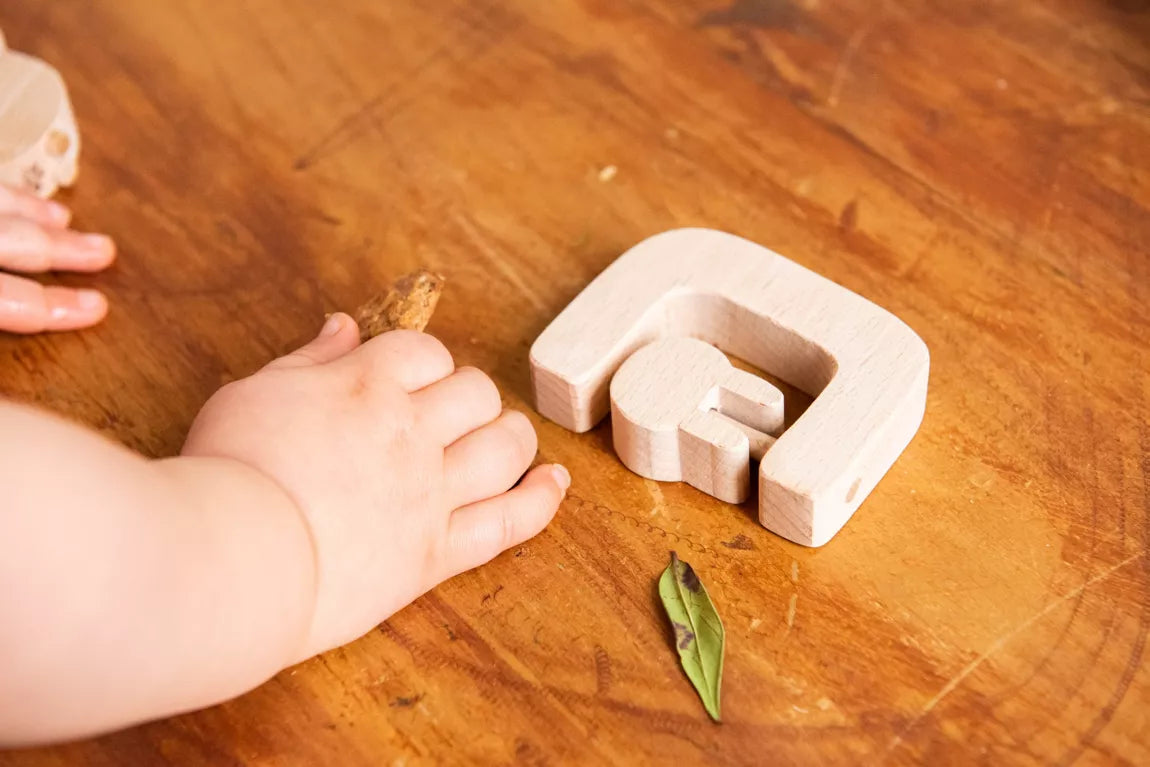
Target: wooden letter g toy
(681,411)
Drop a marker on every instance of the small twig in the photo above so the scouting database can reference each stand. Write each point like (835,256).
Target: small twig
(407,305)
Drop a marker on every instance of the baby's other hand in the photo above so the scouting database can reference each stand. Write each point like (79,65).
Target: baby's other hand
(34,237)
(404,469)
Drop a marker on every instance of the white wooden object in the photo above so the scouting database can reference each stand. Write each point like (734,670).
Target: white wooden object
(867,368)
(681,411)
(39,141)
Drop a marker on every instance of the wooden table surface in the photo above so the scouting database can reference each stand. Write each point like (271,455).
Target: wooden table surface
(981,169)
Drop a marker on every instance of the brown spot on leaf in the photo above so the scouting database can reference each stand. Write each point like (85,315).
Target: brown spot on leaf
(690,580)
(683,635)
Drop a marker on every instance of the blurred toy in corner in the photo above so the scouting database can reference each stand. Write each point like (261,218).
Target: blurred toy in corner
(39,141)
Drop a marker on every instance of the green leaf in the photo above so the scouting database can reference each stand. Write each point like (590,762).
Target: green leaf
(699,634)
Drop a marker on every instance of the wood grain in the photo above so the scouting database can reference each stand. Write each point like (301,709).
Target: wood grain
(979,168)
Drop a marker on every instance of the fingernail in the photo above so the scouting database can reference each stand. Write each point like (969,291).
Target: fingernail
(562,477)
(89,299)
(333,325)
(97,242)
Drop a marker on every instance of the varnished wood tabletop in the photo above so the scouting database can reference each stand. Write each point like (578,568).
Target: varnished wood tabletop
(981,169)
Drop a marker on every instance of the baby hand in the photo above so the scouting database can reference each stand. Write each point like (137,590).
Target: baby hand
(34,237)
(403,468)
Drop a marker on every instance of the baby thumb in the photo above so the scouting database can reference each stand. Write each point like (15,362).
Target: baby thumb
(339,336)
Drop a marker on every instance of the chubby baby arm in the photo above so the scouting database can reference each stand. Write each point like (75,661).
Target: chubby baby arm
(311,501)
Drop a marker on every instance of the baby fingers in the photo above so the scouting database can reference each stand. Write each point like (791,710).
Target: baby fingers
(478,533)
(28,307)
(29,246)
(411,359)
(338,336)
(17,202)
(489,460)
(458,405)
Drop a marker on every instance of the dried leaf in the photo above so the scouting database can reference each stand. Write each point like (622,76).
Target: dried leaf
(408,305)
(699,634)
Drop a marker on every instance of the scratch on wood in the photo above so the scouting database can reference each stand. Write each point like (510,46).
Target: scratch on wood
(503,664)
(679,538)
(498,260)
(346,131)
(792,608)
(790,72)
(794,571)
(845,62)
(1051,199)
(1048,216)
(603,677)
(405,702)
(751,13)
(1133,660)
(365,117)
(1001,642)
(656,493)
(740,542)
(849,217)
